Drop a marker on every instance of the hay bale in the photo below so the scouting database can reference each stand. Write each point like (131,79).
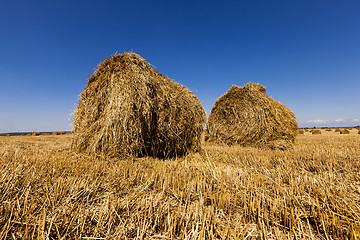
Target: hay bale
(35,133)
(57,133)
(130,109)
(328,130)
(344,131)
(316,131)
(337,130)
(300,131)
(359,132)
(247,116)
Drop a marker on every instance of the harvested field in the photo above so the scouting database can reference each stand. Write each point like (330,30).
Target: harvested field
(224,192)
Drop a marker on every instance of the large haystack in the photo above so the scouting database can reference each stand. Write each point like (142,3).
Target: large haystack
(247,116)
(130,109)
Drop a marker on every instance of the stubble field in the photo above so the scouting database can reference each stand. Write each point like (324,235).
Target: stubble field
(309,192)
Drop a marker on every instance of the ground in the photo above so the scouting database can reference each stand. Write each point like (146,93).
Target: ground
(309,192)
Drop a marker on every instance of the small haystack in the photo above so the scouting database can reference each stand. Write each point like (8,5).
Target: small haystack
(130,109)
(315,131)
(247,116)
(344,131)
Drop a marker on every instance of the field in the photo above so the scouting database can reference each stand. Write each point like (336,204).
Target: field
(309,192)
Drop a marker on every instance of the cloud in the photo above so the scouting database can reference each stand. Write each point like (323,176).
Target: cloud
(318,121)
(340,120)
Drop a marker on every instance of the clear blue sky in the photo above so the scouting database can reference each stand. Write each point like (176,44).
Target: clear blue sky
(307,53)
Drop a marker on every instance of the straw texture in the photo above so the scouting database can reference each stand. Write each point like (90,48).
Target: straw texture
(247,116)
(130,109)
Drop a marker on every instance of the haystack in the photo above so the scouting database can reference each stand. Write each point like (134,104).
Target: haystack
(247,116)
(130,109)
(316,131)
(344,131)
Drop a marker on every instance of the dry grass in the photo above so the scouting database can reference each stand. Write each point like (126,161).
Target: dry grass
(309,192)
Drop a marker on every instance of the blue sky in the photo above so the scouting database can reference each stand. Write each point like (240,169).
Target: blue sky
(307,53)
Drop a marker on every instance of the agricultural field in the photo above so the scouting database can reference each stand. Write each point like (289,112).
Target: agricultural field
(309,192)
